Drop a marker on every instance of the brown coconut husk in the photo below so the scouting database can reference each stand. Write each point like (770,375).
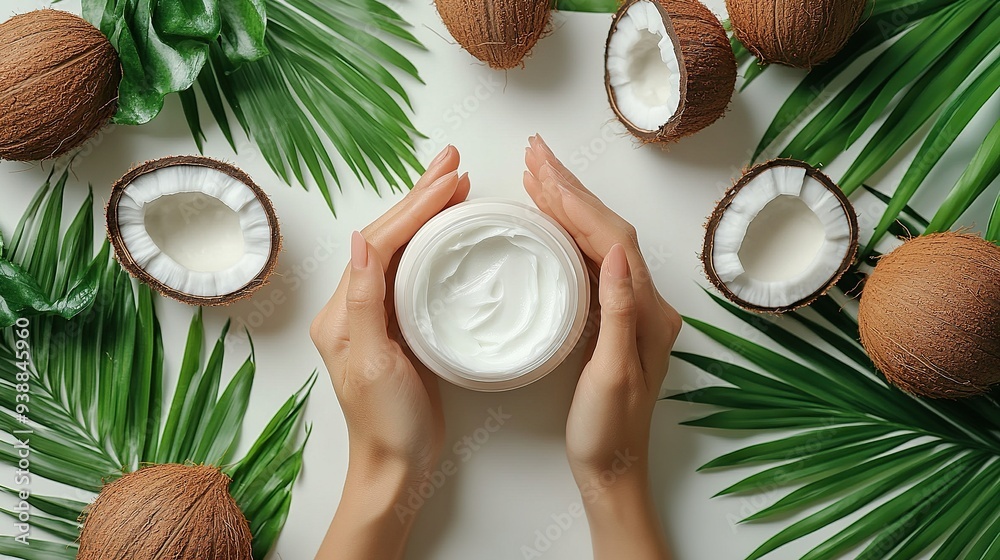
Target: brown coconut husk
(135,270)
(797,33)
(500,33)
(166,511)
(707,67)
(712,225)
(930,315)
(60,79)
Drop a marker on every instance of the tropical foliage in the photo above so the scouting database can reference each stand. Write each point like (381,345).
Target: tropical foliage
(917,475)
(91,391)
(915,69)
(322,74)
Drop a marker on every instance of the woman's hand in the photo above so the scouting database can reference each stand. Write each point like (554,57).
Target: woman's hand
(607,434)
(390,401)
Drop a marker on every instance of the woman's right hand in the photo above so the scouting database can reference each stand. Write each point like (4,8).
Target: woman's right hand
(607,433)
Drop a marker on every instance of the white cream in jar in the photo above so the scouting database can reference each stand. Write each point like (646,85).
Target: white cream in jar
(491,294)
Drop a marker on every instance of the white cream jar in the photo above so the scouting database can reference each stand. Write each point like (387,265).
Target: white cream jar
(491,294)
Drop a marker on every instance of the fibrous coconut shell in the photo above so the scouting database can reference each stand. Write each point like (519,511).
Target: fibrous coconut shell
(930,315)
(707,66)
(138,272)
(498,32)
(708,248)
(166,511)
(797,33)
(59,77)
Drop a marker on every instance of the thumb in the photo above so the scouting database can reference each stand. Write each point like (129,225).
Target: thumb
(618,307)
(366,300)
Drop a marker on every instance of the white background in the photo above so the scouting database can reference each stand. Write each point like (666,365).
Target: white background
(512,485)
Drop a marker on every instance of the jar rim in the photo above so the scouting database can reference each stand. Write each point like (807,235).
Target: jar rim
(499,212)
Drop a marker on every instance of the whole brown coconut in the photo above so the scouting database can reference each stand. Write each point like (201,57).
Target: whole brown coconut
(707,69)
(59,77)
(498,32)
(166,511)
(797,33)
(930,315)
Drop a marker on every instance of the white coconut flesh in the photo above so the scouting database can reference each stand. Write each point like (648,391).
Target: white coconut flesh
(783,237)
(643,69)
(195,229)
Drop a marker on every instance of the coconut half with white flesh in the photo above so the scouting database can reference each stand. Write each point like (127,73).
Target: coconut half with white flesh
(780,238)
(669,68)
(195,229)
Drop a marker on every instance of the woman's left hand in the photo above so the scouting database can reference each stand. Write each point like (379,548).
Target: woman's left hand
(391,402)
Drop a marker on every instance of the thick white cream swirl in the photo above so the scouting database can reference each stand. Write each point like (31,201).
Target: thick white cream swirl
(491,298)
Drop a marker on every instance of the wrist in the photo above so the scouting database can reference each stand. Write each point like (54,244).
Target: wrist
(610,492)
(623,519)
(600,475)
(377,485)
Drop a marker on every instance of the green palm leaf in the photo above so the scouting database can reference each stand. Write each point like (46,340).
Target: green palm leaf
(97,395)
(329,78)
(936,64)
(920,472)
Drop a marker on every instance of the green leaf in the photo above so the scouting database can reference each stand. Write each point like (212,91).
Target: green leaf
(69,510)
(982,171)
(37,550)
(924,98)
(244,23)
(949,512)
(965,532)
(594,6)
(912,469)
(96,383)
(949,124)
(899,64)
(172,436)
(799,445)
(880,482)
(929,49)
(58,527)
(219,435)
(881,26)
(820,463)
(163,46)
(993,228)
(20,295)
(913,502)
(766,419)
(331,78)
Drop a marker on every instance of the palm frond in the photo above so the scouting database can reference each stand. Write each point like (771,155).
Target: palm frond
(919,474)
(97,394)
(592,6)
(936,63)
(328,78)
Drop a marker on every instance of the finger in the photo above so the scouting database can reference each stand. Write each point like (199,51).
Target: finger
(619,312)
(543,154)
(446,162)
(537,193)
(462,192)
(596,234)
(366,300)
(388,235)
(593,230)
(393,230)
